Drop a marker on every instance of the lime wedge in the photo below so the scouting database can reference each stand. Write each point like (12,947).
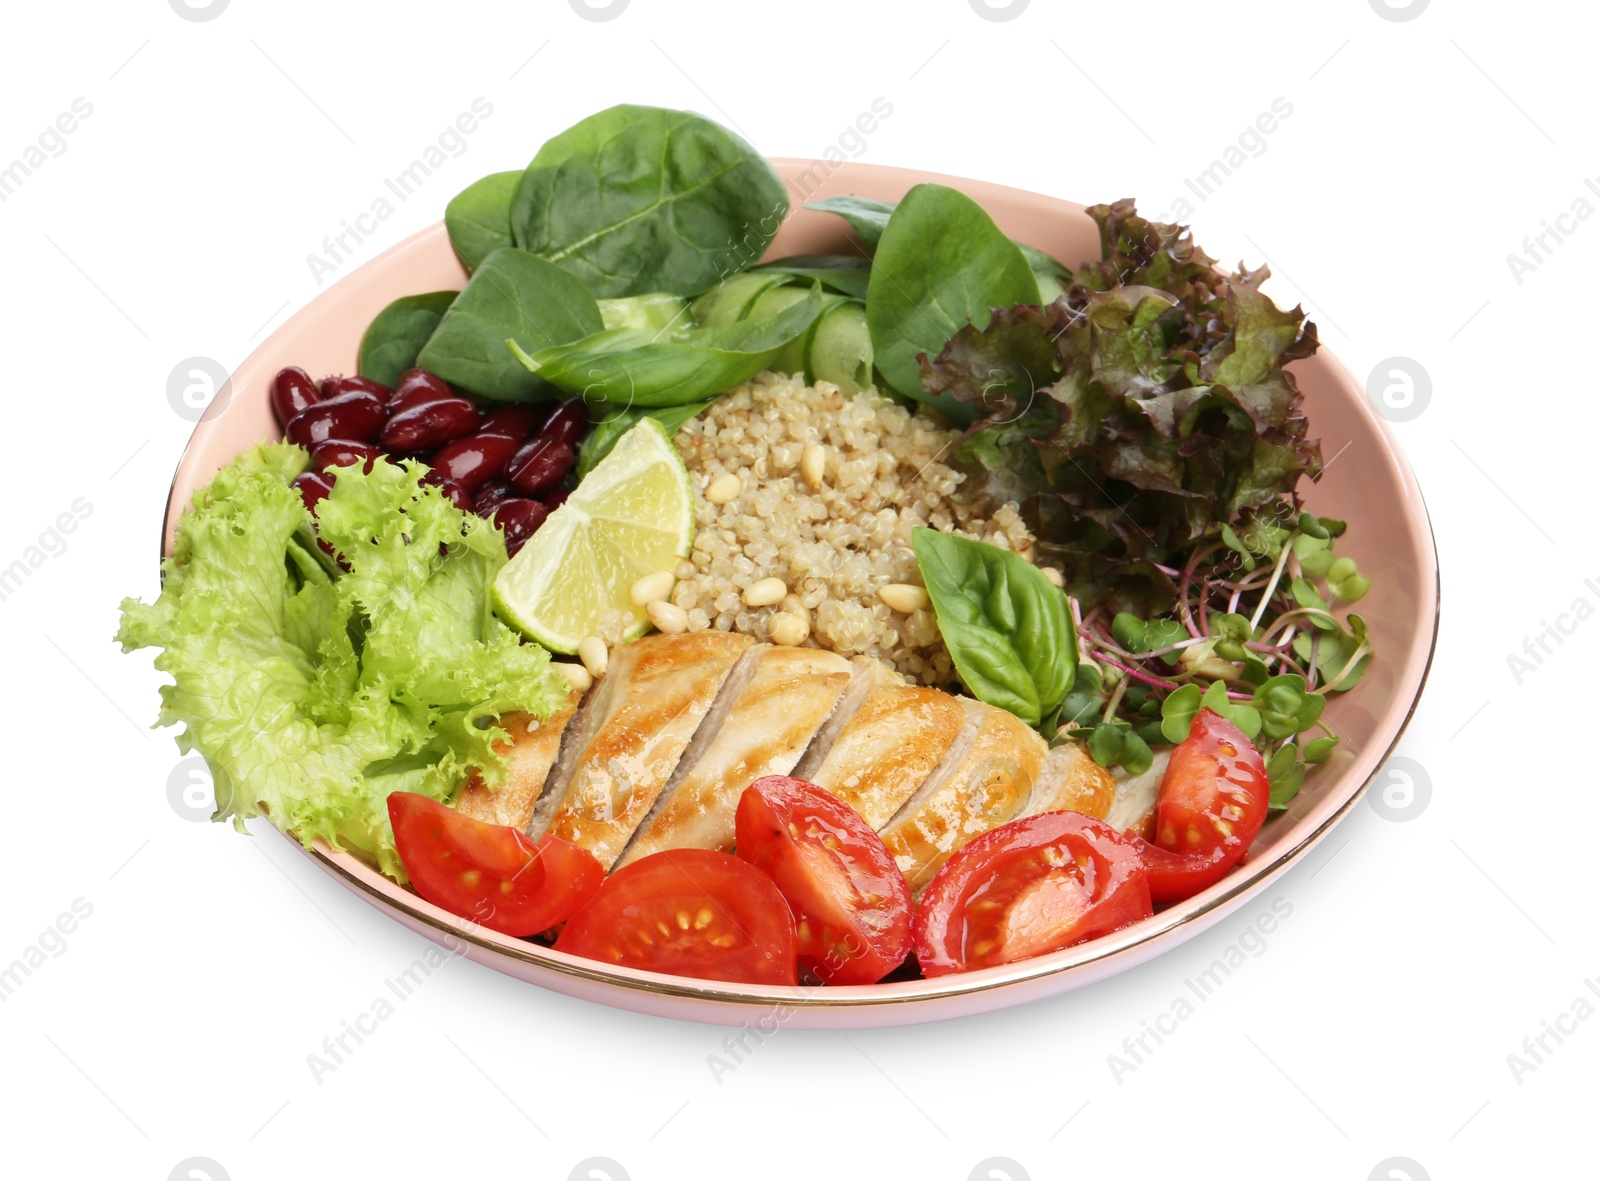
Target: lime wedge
(632,515)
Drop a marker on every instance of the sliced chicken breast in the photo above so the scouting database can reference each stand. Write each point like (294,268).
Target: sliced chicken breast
(986,780)
(1134,809)
(1071,781)
(888,748)
(530,751)
(769,721)
(632,732)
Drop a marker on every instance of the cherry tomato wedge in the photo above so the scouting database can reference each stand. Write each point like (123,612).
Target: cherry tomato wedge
(1212,801)
(490,873)
(1029,887)
(688,912)
(852,908)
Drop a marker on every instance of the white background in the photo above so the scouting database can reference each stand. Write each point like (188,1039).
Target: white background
(1377,1022)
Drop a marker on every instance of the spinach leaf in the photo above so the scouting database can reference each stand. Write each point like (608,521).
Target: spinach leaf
(1006,626)
(629,367)
(867,217)
(599,442)
(638,199)
(396,335)
(941,264)
(1053,277)
(512,295)
(478,218)
(845,273)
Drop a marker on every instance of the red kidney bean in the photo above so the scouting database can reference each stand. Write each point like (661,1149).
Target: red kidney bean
(566,422)
(342,453)
(491,495)
(313,488)
(356,415)
(332,387)
(453,492)
(292,391)
(475,460)
(417,386)
(515,422)
(422,427)
(519,518)
(556,499)
(540,465)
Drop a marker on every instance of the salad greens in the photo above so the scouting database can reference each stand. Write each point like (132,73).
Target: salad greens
(397,334)
(637,199)
(478,218)
(940,267)
(629,367)
(512,296)
(1145,411)
(1006,626)
(313,697)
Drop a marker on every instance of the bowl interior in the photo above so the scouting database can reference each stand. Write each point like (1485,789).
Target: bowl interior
(1366,483)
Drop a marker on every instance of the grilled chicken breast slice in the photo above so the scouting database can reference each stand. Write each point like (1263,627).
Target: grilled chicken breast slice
(1071,781)
(639,721)
(769,721)
(986,781)
(888,748)
(1134,809)
(530,751)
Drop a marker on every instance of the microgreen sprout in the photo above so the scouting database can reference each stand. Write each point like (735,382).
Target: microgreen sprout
(1260,633)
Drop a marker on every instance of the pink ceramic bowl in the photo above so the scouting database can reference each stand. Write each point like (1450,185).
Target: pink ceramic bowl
(1370,486)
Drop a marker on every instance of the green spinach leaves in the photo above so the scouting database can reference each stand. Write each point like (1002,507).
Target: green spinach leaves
(941,264)
(397,334)
(512,296)
(637,199)
(1005,624)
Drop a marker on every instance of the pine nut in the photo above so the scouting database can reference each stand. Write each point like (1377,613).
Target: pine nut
(668,617)
(724,488)
(788,629)
(576,673)
(796,606)
(651,587)
(1053,575)
(903,597)
(592,651)
(814,464)
(765,593)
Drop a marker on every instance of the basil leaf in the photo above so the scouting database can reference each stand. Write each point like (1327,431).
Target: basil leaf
(599,442)
(626,367)
(638,199)
(515,295)
(941,263)
(478,218)
(396,335)
(1006,625)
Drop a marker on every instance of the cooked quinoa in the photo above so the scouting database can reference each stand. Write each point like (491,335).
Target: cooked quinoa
(835,545)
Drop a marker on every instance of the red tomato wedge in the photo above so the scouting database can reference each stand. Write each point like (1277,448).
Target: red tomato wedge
(852,908)
(688,912)
(1212,801)
(490,873)
(1029,887)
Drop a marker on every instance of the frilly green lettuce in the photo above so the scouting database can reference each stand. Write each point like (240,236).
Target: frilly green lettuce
(312,697)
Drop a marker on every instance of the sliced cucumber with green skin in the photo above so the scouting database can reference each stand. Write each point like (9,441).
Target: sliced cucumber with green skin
(840,349)
(732,299)
(793,358)
(658,312)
